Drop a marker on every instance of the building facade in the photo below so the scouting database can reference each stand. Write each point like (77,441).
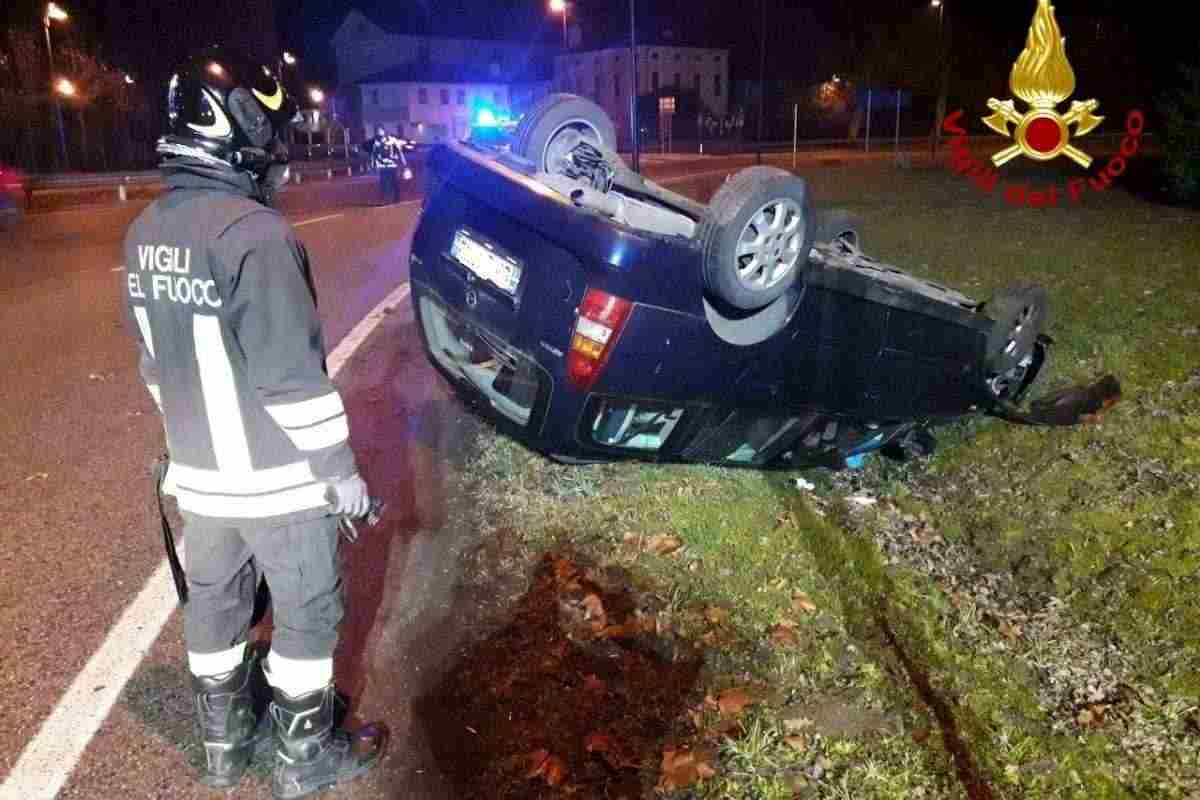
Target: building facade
(604,77)
(431,88)
(437,103)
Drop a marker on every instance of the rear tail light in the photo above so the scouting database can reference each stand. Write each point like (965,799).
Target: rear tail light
(602,316)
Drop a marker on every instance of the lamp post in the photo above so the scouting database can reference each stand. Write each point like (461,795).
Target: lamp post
(286,58)
(560,7)
(317,97)
(944,78)
(55,13)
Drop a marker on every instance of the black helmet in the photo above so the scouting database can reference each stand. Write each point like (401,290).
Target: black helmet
(223,108)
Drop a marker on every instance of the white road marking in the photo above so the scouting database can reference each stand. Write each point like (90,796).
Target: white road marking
(50,757)
(400,204)
(359,333)
(302,223)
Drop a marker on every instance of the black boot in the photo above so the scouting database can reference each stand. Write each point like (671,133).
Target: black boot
(228,724)
(313,754)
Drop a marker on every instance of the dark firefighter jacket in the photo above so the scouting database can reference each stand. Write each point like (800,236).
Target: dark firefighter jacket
(387,152)
(222,303)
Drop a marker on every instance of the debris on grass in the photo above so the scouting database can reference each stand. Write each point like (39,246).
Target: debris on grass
(563,707)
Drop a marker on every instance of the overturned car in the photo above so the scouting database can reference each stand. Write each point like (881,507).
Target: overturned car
(599,316)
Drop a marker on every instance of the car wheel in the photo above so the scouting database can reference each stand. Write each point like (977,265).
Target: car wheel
(837,224)
(1018,317)
(756,236)
(552,127)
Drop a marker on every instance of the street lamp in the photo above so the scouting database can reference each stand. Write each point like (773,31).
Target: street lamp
(55,13)
(940,111)
(560,7)
(128,79)
(64,87)
(289,59)
(316,95)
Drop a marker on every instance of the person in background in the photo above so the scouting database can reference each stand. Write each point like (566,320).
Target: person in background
(387,157)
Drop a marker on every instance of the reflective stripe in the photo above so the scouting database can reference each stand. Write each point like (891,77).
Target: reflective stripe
(288,501)
(307,412)
(297,676)
(259,481)
(225,423)
(317,437)
(210,665)
(156,393)
(143,321)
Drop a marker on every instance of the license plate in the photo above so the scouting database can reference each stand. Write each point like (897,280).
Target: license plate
(484,261)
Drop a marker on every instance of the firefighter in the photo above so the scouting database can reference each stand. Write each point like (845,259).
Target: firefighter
(387,156)
(222,304)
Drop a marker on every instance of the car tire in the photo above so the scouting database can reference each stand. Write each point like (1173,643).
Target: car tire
(831,225)
(756,202)
(554,115)
(1019,316)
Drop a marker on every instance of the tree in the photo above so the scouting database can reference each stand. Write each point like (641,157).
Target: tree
(1181,134)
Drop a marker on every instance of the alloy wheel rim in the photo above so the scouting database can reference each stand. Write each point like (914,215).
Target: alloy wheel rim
(769,245)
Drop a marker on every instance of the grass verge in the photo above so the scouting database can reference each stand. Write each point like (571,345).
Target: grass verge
(1038,589)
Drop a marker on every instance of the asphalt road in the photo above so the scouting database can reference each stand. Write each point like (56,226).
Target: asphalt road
(79,531)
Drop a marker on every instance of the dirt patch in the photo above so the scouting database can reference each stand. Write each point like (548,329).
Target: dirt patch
(573,698)
(838,716)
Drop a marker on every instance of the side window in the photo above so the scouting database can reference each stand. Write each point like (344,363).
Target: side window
(375,97)
(462,97)
(717,85)
(617,85)
(678,80)
(423,96)
(445,97)
(654,81)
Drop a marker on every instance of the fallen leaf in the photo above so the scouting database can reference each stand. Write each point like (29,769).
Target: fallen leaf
(801,602)
(797,743)
(664,543)
(550,768)
(1092,716)
(785,635)
(565,571)
(734,701)
(683,768)
(597,743)
(536,760)
(716,615)
(1010,630)
(38,476)
(919,735)
(632,545)
(593,608)
(627,630)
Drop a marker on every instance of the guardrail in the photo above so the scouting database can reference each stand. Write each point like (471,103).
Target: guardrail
(122,182)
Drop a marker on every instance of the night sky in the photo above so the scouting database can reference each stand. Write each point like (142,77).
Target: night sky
(805,39)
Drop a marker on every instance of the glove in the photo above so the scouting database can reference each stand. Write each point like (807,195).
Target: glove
(349,496)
